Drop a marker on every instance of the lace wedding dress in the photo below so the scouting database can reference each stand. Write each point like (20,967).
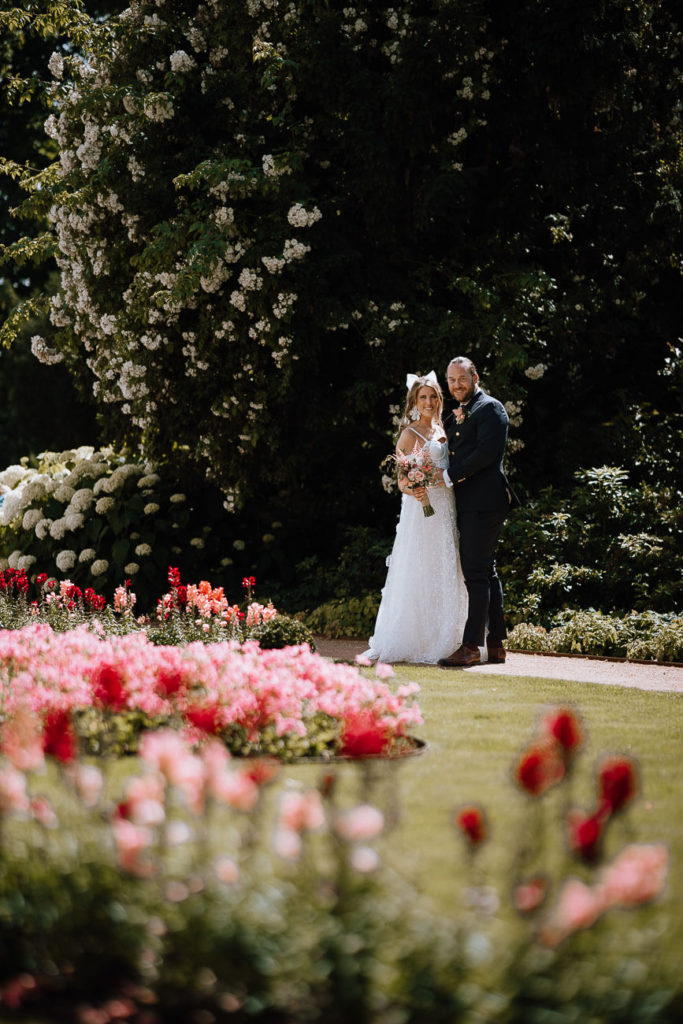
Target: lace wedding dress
(424,601)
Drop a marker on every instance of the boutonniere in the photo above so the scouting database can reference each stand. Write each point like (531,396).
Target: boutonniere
(461,414)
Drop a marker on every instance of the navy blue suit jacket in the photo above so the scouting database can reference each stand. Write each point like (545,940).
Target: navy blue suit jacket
(476,448)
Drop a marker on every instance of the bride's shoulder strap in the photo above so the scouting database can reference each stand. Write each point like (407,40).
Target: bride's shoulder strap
(418,434)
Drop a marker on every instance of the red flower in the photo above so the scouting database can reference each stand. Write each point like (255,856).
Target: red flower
(108,688)
(363,735)
(74,592)
(41,578)
(181,594)
(173,577)
(617,783)
(58,737)
(539,768)
(94,601)
(470,820)
(263,770)
(585,834)
(564,726)
(169,681)
(204,717)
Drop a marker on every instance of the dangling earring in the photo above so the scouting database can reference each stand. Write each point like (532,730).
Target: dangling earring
(414,414)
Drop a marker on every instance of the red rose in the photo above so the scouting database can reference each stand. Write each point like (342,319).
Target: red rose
(539,768)
(564,726)
(108,688)
(58,737)
(585,834)
(204,717)
(169,681)
(470,821)
(617,783)
(363,735)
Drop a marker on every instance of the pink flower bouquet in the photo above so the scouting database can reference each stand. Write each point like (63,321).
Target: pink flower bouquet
(417,469)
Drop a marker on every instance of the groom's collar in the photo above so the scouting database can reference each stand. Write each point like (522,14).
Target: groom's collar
(473,400)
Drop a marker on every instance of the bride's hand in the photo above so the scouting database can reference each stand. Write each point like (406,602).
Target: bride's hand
(420,493)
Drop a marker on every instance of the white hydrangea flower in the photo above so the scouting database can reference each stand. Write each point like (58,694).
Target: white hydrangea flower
(149,481)
(176,499)
(65,560)
(142,550)
(87,555)
(58,528)
(74,520)
(99,567)
(31,517)
(103,505)
(43,528)
(11,507)
(151,508)
(25,562)
(13,560)
(197,542)
(131,568)
(11,476)
(64,493)
(82,499)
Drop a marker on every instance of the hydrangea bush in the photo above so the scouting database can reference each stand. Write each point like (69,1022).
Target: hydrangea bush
(98,516)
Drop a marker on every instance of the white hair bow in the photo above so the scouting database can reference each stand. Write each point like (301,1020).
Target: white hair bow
(428,377)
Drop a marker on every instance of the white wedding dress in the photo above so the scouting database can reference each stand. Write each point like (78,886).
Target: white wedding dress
(423,609)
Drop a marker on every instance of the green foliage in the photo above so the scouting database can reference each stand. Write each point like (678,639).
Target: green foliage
(607,544)
(347,617)
(644,636)
(281,631)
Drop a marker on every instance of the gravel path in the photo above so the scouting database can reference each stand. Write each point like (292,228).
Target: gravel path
(642,676)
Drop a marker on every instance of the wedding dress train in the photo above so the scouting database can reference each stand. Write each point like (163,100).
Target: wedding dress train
(424,601)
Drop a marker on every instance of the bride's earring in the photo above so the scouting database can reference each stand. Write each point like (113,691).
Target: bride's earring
(414,414)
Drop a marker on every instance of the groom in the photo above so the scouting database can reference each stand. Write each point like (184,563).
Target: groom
(477,434)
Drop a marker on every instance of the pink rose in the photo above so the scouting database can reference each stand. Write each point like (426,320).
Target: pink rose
(636,875)
(362,822)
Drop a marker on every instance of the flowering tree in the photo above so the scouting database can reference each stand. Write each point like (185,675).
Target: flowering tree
(265,212)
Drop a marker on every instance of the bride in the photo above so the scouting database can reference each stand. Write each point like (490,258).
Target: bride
(424,601)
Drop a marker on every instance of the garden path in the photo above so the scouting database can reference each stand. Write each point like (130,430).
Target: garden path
(640,675)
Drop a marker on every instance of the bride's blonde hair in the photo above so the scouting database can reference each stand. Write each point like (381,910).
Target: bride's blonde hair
(411,401)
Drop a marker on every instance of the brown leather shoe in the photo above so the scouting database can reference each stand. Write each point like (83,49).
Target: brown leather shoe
(466,654)
(496,654)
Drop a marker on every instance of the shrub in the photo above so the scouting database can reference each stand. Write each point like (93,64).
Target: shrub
(607,544)
(282,631)
(646,636)
(349,617)
(99,516)
(525,637)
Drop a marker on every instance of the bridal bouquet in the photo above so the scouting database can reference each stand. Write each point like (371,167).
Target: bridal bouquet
(418,469)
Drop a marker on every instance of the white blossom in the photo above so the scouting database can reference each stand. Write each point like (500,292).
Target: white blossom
(87,555)
(298,217)
(32,516)
(131,568)
(151,508)
(103,505)
(181,61)
(65,560)
(142,550)
(99,567)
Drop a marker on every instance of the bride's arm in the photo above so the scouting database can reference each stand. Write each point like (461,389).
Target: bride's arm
(405,445)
